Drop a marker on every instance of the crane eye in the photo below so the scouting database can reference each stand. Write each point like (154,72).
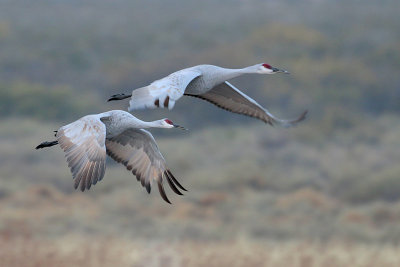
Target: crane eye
(169,121)
(267,66)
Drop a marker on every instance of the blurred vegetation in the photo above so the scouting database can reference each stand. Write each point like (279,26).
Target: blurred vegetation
(266,183)
(333,178)
(36,101)
(342,59)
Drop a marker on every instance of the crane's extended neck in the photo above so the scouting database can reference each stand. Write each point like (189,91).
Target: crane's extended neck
(155,124)
(233,73)
(152,124)
(164,123)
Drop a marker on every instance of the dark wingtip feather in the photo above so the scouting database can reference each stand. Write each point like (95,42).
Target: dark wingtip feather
(302,116)
(171,184)
(76,183)
(175,181)
(148,187)
(289,123)
(162,192)
(89,184)
(83,182)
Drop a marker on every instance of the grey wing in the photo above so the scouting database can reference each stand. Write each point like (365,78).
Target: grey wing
(230,98)
(138,151)
(83,142)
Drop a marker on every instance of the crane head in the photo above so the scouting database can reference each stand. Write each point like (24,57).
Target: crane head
(265,68)
(169,124)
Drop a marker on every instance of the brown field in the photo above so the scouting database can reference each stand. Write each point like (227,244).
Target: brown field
(79,251)
(268,207)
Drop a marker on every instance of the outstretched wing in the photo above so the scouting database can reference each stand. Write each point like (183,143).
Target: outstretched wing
(228,97)
(83,142)
(162,93)
(138,151)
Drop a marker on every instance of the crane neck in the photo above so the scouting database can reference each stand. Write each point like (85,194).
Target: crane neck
(151,124)
(233,73)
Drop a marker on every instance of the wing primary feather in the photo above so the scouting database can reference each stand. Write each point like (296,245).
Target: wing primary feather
(77,181)
(142,157)
(174,180)
(162,192)
(171,184)
(83,183)
(148,186)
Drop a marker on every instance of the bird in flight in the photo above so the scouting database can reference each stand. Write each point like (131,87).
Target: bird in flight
(122,136)
(210,83)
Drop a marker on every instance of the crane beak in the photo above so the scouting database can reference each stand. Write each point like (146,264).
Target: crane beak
(276,70)
(179,127)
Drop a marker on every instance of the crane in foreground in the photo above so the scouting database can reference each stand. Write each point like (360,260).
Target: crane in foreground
(120,135)
(207,82)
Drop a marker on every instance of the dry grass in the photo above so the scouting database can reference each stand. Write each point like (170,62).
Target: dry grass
(79,251)
(271,194)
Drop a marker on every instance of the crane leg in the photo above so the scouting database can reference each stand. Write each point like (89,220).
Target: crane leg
(118,97)
(46,144)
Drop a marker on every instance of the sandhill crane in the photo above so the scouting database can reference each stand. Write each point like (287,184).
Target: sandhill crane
(120,135)
(209,83)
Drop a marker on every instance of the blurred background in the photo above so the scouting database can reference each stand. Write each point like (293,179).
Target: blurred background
(325,193)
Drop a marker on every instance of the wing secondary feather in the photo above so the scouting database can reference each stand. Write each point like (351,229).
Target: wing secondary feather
(83,142)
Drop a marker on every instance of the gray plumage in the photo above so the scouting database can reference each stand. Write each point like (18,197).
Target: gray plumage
(120,135)
(209,83)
